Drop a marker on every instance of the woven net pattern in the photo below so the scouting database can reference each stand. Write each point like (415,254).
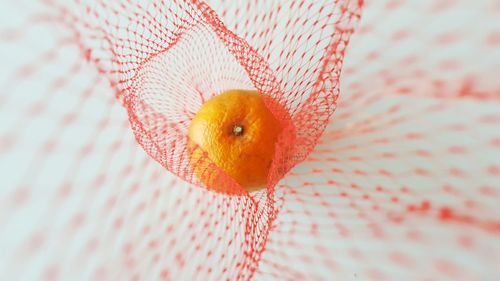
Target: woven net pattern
(388,167)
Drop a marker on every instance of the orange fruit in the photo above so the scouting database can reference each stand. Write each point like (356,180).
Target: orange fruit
(236,132)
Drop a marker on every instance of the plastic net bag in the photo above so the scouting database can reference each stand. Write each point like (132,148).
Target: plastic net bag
(401,183)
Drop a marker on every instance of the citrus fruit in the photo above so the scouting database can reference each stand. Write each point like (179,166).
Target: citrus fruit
(236,132)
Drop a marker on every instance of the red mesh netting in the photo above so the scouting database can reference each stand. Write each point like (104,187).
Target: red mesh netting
(401,183)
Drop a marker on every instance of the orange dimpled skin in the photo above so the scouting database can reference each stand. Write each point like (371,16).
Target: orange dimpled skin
(238,133)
